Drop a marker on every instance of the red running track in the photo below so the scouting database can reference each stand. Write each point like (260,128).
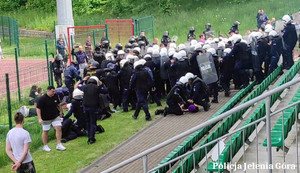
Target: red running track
(31,72)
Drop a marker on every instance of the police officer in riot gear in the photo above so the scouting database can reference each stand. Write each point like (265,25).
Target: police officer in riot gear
(209,33)
(70,74)
(165,39)
(141,82)
(191,35)
(177,99)
(199,91)
(289,39)
(58,67)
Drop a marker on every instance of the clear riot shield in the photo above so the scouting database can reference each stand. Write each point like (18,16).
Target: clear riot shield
(279,26)
(207,68)
(174,38)
(163,71)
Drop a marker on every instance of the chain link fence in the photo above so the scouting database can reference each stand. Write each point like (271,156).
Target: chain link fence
(9,31)
(145,24)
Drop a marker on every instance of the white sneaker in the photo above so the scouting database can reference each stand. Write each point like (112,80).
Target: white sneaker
(115,110)
(46,148)
(60,147)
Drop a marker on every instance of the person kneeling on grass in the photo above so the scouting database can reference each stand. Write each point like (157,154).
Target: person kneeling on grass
(49,113)
(17,147)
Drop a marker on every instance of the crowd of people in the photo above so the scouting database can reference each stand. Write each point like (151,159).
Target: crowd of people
(189,76)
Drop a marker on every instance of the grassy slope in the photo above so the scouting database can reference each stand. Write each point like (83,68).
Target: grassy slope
(30,48)
(185,14)
(79,154)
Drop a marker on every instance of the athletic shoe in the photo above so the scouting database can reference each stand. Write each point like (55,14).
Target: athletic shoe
(46,148)
(115,110)
(60,147)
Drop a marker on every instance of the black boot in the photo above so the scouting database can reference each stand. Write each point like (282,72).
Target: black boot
(215,100)
(227,93)
(159,111)
(136,114)
(148,116)
(206,107)
(166,111)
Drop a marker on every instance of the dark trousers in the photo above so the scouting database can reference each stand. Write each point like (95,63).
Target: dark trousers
(173,108)
(115,96)
(225,81)
(141,103)
(154,97)
(128,96)
(273,64)
(91,121)
(214,90)
(70,85)
(257,63)
(287,60)
(58,79)
(172,81)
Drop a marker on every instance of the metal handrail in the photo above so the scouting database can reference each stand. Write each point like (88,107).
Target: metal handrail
(224,136)
(209,122)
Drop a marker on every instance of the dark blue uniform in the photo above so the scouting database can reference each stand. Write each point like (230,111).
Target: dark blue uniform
(199,93)
(176,97)
(242,62)
(141,81)
(276,51)
(70,73)
(290,39)
(91,106)
(127,94)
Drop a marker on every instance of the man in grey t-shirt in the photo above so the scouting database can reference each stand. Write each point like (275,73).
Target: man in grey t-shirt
(17,147)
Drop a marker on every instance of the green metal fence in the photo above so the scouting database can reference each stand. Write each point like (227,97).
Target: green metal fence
(9,31)
(144,24)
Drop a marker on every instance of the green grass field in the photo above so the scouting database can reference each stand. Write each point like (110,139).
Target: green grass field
(30,48)
(79,154)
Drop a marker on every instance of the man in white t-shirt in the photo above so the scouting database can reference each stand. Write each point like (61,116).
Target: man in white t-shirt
(17,147)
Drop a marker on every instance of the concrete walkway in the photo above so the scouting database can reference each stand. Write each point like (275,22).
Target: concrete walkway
(159,131)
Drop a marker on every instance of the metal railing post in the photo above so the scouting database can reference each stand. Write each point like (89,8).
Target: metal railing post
(72,46)
(47,58)
(94,39)
(51,73)
(8,101)
(268,129)
(9,31)
(2,23)
(145,164)
(18,77)
(296,127)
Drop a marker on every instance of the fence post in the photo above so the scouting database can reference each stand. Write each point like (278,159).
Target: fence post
(47,58)
(54,29)
(2,23)
(106,32)
(152,27)
(9,31)
(94,38)
(51,73)
(18,77)
(72,46)
(8,101)
(17,37)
